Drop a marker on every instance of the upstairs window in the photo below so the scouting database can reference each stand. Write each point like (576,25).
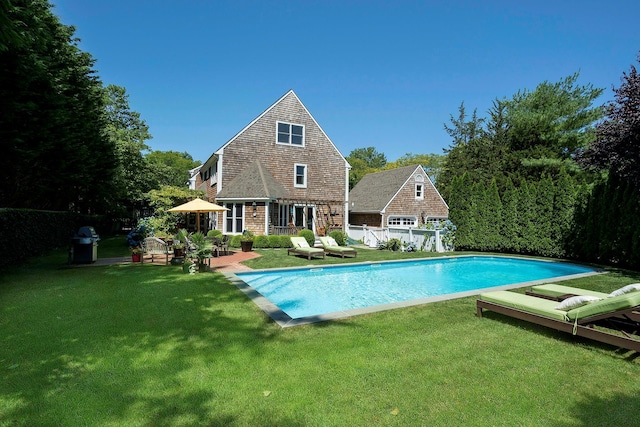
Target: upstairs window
(290,134)
(419,179)
(300,178)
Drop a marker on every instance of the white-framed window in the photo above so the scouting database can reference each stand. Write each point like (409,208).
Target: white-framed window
(234,217)
(402,221)
(300,175)
(290,134)
(419,180)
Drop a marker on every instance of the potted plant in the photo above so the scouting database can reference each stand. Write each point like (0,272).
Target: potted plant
(178,250)
(201,252)
(179,243)
(136,253)
(246,241)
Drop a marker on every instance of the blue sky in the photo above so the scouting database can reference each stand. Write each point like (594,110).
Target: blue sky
(386,74)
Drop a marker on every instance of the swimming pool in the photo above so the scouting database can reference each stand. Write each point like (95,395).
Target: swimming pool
(304,295)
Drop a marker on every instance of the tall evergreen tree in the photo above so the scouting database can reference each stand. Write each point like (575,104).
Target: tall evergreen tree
(511,211)
(492,214)
(545,224)
(55,155)
(564,203)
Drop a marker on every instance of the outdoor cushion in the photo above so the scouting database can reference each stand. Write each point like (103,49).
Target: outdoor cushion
(541,306)
(553,290)
(606,305)
(634,287)
(575,302)
(300,242)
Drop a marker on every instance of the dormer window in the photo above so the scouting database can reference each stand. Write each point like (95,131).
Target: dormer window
(290,134)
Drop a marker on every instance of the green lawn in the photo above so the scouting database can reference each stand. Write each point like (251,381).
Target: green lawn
(145,345)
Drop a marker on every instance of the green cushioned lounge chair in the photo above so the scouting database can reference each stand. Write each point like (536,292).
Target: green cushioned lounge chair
(301,247)
(331,247)
(611,320)
(560,292)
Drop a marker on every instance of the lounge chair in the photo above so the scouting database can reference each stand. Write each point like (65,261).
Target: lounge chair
(561,292)
(301,247)
(331,247)
(615,317)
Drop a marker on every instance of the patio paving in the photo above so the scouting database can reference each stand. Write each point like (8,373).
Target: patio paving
(224,263)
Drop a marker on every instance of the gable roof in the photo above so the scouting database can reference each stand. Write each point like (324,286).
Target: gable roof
(289,93)
(376,190)
(255,182)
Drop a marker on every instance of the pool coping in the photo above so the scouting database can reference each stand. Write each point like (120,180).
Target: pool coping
(286,321)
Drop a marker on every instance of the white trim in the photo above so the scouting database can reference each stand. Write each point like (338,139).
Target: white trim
(290,144)
(290,92)
(295,175)
(403,218)
(234,218)
(411,176)
(421,196)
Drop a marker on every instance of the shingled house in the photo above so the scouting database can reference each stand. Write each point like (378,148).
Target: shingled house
(402,197)
(278,175)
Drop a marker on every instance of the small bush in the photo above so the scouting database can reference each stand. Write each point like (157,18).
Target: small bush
(392,245)
(309,236)
(235,240)
(285,242)
(214,233)
(339,236)
(261,241)
(274,241)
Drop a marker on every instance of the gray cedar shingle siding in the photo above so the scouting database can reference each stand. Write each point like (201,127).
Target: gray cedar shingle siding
(392,193)
(326,167)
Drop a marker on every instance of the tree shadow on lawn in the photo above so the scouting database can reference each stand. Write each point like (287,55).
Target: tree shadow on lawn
(617,409)
(136,345)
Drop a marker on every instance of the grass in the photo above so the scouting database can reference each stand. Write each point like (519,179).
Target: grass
(145,345)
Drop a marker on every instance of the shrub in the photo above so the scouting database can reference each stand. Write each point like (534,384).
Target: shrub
(339,236)
(309,236)
(393,245)
(285,242)
(214,233)
(275,241)
(261,241)
(234,241)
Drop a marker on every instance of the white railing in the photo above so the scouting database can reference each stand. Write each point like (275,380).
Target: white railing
(425,240)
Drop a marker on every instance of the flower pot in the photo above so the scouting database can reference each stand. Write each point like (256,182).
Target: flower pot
(178,252)
(246,246)
(136,257)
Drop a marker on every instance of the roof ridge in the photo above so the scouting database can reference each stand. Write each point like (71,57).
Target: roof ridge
(259,165)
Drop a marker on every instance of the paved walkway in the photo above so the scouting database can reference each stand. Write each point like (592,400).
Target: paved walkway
(224,263)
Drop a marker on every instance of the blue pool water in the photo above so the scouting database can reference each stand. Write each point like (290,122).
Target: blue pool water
(327,289)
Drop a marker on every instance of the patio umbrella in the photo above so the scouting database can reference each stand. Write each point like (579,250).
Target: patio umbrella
(198,205)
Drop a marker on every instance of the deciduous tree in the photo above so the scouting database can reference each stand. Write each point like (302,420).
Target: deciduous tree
(617,144)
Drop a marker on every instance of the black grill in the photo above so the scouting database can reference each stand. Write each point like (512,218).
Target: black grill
(84,245)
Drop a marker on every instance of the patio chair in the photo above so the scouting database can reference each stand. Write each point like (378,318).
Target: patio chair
(331,247)
(224,244)
(560,292)
(610,320)
(301,247)
(154,246)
